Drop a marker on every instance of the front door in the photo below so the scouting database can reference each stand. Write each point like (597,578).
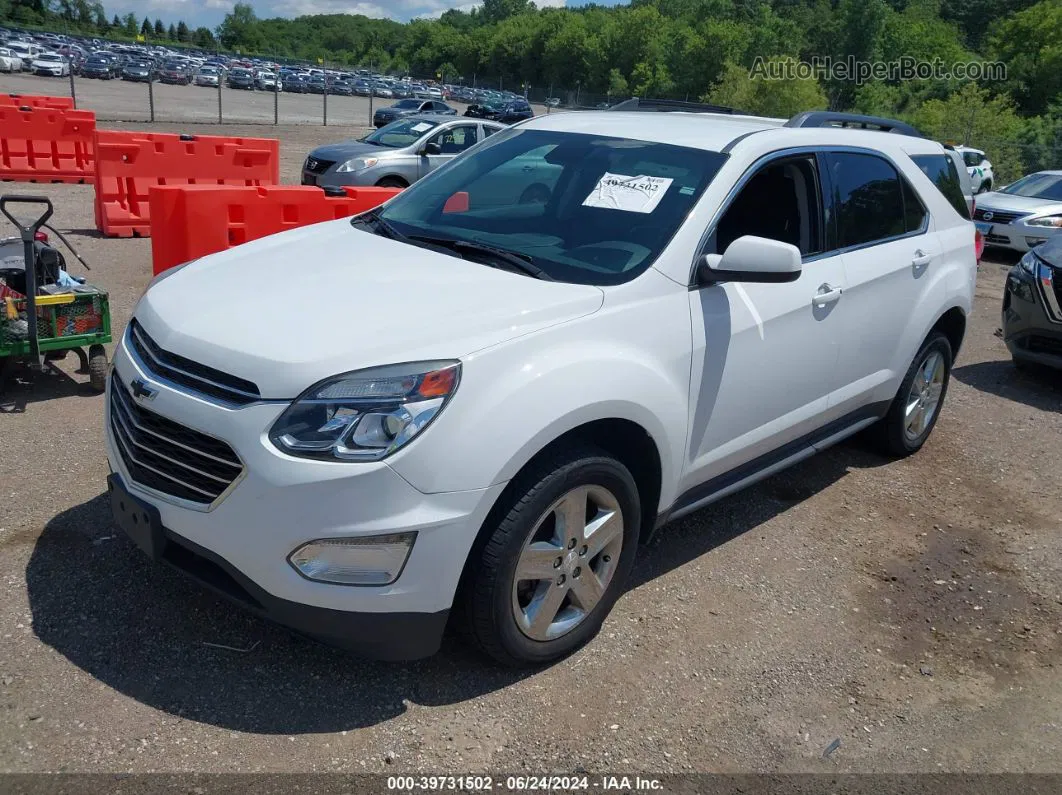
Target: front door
(450,142)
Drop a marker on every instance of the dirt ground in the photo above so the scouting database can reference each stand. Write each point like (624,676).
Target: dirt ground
(911,610)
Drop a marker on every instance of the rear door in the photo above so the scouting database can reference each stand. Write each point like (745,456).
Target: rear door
(890,252)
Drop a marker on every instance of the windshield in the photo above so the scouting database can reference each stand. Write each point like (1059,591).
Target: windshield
(208,70)
(582,208)
(1037,186)
(400,133)
(95,60)
(49,57)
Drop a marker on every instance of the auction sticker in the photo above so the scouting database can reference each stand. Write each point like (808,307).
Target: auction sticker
(639,194)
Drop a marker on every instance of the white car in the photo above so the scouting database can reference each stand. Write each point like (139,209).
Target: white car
(9,62)
(493,386)
(26,51)
(978,167)
(51,64)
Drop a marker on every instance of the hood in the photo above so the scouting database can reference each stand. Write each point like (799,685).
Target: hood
(1051,251)
(344,150)
(288,310)
(1015,204)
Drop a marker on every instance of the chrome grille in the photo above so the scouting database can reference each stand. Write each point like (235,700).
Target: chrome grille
(185,372)
(165,456)
(996,216)
(316,166)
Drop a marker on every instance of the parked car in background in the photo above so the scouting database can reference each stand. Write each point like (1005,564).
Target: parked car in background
(553,102)
(99,67)
(175,73)
(362,88)
(341,88)
(296,84)
(265,80)
(504,111)
(1032,307)
(26,52)
(410,107)
(138,72)
(241,77)
(383,91)
(396,155)
(208,77)
(978,167)
(51,64)
(318,84)
(1024,214)
(9,61)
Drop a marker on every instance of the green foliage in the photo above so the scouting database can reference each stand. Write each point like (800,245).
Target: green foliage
(776,98)
(1030,43)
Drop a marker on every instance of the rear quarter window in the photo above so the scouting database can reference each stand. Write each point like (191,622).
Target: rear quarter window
(942,172)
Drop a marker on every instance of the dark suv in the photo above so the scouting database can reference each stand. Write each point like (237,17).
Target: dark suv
(1032,307)
(506,112)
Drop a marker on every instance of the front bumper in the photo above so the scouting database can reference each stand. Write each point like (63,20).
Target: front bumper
(1030,328)
(1018,236)
(279,503)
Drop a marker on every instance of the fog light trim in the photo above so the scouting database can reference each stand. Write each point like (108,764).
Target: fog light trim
(359,561)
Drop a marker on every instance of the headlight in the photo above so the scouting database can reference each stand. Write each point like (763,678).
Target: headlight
(1047,220)
(357,164)
(368,414)
(1030,263)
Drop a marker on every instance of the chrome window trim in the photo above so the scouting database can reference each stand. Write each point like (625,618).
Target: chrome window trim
(1045,273)
(796,151)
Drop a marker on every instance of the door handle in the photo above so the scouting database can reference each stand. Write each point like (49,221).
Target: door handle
(921,259)
(528,168)
(827,294)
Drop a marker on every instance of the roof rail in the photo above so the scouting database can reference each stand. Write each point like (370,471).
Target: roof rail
(825,118)
(638,103)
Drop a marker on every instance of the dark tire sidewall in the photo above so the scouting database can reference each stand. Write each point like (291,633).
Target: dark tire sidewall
(597,470)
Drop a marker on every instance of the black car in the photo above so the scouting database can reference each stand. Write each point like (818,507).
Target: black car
(1032,307)
(241,78)
(295,84)
(138,72)
(341,88)
(100,68)
(175,73)
(411,107)
(506,112)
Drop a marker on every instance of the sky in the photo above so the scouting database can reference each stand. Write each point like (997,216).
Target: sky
(211,12)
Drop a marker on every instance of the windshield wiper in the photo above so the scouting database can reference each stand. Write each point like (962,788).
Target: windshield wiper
(380,225)
(507,260)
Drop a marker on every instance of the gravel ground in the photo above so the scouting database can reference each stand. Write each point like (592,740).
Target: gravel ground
(911,610)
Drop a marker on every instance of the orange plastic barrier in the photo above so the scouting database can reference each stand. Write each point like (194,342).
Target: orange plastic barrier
(37,101)
(46,145)
(129,164)
(190,221)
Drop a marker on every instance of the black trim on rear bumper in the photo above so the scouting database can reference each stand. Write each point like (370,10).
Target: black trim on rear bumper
(380,636)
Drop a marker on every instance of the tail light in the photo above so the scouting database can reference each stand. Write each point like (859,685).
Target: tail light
(41,237)
(979,243)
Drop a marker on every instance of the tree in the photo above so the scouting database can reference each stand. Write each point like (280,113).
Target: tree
(160,29)
(182,33)
(617,84)
(240,28)
(171,32)
(779,98)
(204,39)
(116,23)
(129,24)
(446,72)
(99,18)
(1028,43)
(973,116)
(145,29)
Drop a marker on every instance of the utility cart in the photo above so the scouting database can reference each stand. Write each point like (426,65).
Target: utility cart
(41,319)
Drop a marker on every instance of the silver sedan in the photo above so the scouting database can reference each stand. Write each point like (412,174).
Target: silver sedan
(396,155)
(1023,214)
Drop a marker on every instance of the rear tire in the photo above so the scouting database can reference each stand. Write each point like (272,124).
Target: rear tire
(98,368)
(916,407)
(532,620)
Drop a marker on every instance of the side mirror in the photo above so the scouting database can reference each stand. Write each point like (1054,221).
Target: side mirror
(752,259)
(431,149)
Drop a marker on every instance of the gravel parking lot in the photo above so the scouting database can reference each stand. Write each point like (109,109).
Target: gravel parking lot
(118,100)
(911,610)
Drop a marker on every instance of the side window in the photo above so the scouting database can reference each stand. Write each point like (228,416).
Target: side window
(488,130)
(781,202)
(942,172)
(869,198)
(456,139)
(914,213)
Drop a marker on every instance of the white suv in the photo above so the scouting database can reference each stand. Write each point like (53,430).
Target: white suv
(470,405)
(979,168)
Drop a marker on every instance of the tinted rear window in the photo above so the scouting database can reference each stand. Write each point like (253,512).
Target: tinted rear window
(869,198)
(942,172)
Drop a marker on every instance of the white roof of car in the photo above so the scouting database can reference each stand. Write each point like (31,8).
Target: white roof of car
(715,131)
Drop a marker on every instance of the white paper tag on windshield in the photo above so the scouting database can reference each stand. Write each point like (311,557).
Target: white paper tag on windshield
(639,194)
(421,127)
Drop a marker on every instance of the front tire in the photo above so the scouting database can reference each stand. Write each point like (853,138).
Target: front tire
(916,407)
(556,560)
